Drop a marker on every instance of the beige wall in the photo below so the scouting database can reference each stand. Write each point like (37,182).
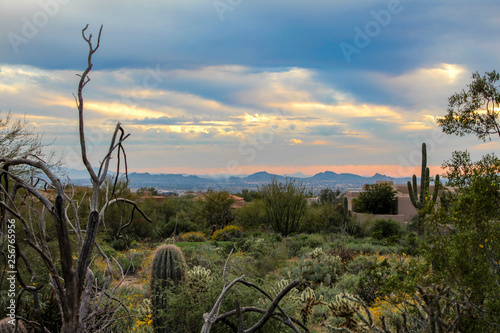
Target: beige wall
(405,209)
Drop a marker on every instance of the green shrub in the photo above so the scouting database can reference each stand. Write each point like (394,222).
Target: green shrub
(294,247)
(372,280)
(376,199)
(387,229)
(130,261)
(315,240)
(177,226)
(411,244)
(122,243)
(361,263)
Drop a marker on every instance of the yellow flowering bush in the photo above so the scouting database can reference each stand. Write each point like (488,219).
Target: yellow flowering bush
(193,236)
(228,233)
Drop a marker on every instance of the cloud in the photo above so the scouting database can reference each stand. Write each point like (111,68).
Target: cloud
(295,141)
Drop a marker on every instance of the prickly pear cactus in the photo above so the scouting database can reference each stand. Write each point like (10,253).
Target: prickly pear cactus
(324,270)
(169,270)
(7,327)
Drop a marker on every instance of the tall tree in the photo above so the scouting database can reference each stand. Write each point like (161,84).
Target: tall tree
(70,278)
(474,111)
(462,239)
(284,204)
(217,208)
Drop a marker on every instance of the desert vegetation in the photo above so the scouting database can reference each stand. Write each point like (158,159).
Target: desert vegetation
(93,259)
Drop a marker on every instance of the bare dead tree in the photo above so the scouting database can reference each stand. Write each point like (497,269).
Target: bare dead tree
(269,313)
(84,306)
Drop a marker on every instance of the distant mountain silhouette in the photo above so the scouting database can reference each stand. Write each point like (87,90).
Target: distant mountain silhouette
(332,176)
(238,182)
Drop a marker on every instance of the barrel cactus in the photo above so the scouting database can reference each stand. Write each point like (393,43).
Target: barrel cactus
(168,270)
(6,326)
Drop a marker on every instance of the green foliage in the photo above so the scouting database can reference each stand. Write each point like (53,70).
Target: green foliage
(130,261)
(325,218)
(329,196)
(264,259)
(466,110)
(168,270)
(148,190)
(387,229)
(376,199)
(177,226)
(463,241)
(216,208)
(284,204)
(372,280)
(361,263)
(249,195)
(251,216)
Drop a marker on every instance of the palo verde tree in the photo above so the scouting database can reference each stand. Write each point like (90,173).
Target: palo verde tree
(463,240)
(67,266)
(284,204)
(474,111)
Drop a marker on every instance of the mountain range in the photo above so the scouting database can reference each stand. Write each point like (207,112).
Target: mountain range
(235,183)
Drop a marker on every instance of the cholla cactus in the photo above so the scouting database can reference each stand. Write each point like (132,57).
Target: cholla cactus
(279,286)
(343,307)
(170,240)
(198,278)
(316,253)
(7,327)
(308,301)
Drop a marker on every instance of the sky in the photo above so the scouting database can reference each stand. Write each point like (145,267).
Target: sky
(240,86)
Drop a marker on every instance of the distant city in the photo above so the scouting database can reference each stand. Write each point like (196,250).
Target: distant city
(179,183)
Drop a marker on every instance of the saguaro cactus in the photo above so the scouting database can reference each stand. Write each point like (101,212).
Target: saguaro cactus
(421,202)
(346,209)
(169,269)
